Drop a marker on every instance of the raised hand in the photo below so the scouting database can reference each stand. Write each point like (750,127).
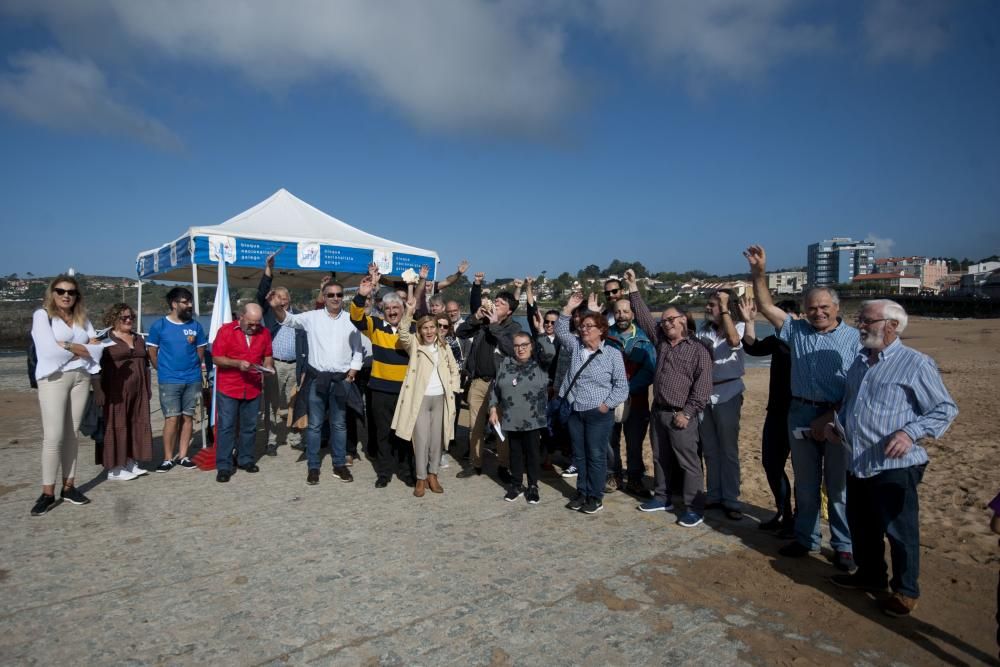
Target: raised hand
(463,266)
(748,309)
(575,299)
(538,320)
(723,298)
(373,269)
(756,258)
(630,280)
(528,280)
(518,283)
(478,277)
(411,305)
(323,281)
(424,271)
(592,303)
(366,286)
(269,262)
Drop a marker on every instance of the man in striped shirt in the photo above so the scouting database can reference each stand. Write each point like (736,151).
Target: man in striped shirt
(894,398)
(388,371)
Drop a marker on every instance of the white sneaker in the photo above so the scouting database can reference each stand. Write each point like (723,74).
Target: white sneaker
(120,474)
(134,468)
(445,463)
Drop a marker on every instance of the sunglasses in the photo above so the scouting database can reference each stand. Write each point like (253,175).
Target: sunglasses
(442,326)
(127,318)
(609,292)
(550,323)
(334,295)
(65,292)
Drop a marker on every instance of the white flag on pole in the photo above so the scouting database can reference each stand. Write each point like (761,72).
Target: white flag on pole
(222,314)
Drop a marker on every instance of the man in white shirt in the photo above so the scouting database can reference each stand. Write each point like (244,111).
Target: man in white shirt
(719,423)
(335,357)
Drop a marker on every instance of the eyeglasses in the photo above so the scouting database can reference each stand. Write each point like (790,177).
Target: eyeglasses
(671,320)
(334,295)
(65,292)
(521,346)
(550,323)
(126,318)
(864,321)
(587,325)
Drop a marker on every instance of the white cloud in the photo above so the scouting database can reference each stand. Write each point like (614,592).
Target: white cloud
(913,30)
(883,246)
(709,39)
(55,91)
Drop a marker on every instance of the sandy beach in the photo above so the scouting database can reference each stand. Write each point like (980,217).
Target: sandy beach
(954,622)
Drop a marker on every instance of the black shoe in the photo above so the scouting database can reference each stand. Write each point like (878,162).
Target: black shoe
(794,550)
(733,514)
(223,476)
(513,493)
(593,506)
(272,450)
(504,474)
(72,495)
(312,479)
(382,482)
(250,468)
(638,490)
(714,506)
(166,466)
(469,472)
(787,532)
(343,474)
(774,523)
(43,505)
(577,503)
(531,495)
(299,447)
(854,582)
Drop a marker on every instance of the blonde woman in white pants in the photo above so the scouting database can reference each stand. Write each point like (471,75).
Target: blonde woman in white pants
(68,359)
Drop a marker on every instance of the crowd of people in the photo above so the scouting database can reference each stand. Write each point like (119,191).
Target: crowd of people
(393,369)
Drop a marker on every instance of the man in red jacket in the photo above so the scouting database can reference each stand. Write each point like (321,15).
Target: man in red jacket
(241,353)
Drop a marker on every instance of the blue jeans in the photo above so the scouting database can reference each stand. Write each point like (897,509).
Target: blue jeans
(885,506)
(589,432)
(332,403)
(230,412)
(814,462)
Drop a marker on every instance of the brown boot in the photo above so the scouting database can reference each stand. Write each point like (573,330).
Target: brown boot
(433,484)
(418,490)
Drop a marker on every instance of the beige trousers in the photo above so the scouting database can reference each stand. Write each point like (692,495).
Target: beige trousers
(428,436)
(479,412)
(277,388)
(62,398)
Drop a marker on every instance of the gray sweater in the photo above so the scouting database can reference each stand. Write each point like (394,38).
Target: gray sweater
(520,393)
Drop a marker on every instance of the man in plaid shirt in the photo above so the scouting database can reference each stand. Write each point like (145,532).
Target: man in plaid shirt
(681,388)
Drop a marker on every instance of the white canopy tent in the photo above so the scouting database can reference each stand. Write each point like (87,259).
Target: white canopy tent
(310,240)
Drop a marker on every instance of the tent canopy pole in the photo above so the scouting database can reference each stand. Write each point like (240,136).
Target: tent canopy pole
(138,310)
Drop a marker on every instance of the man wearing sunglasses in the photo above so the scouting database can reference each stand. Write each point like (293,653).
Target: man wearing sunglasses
(239,352)
(335,357)
(612,293)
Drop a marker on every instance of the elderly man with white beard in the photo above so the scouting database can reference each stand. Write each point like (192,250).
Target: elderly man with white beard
(894,398)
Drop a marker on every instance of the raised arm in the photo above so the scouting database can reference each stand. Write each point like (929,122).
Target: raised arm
(362,320)
(643,317)
(757,259)
(264,286)
(463,266)
(728,325)
(476,293)
(563,334)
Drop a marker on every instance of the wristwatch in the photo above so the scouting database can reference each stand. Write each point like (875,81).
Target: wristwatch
(66,345)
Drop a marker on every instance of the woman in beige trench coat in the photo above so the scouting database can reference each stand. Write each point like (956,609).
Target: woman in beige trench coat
(425,412)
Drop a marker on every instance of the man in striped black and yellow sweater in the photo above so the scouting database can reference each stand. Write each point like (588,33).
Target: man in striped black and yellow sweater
(388,371)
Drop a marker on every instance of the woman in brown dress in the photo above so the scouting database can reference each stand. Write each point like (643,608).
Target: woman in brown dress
(126,383)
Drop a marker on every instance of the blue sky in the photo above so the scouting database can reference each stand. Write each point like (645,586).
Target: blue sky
(522,135)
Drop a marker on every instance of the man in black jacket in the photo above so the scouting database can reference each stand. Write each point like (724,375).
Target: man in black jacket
(492,330)
(291,352)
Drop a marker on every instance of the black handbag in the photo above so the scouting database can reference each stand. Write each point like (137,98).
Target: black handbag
(559,409)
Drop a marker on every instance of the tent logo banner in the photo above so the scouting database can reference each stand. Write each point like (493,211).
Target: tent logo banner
(228,246)
(383,260)
(173,254)
(308,255)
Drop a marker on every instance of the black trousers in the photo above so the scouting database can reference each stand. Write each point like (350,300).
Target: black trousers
(773,456)
(393,454)
(525,452)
